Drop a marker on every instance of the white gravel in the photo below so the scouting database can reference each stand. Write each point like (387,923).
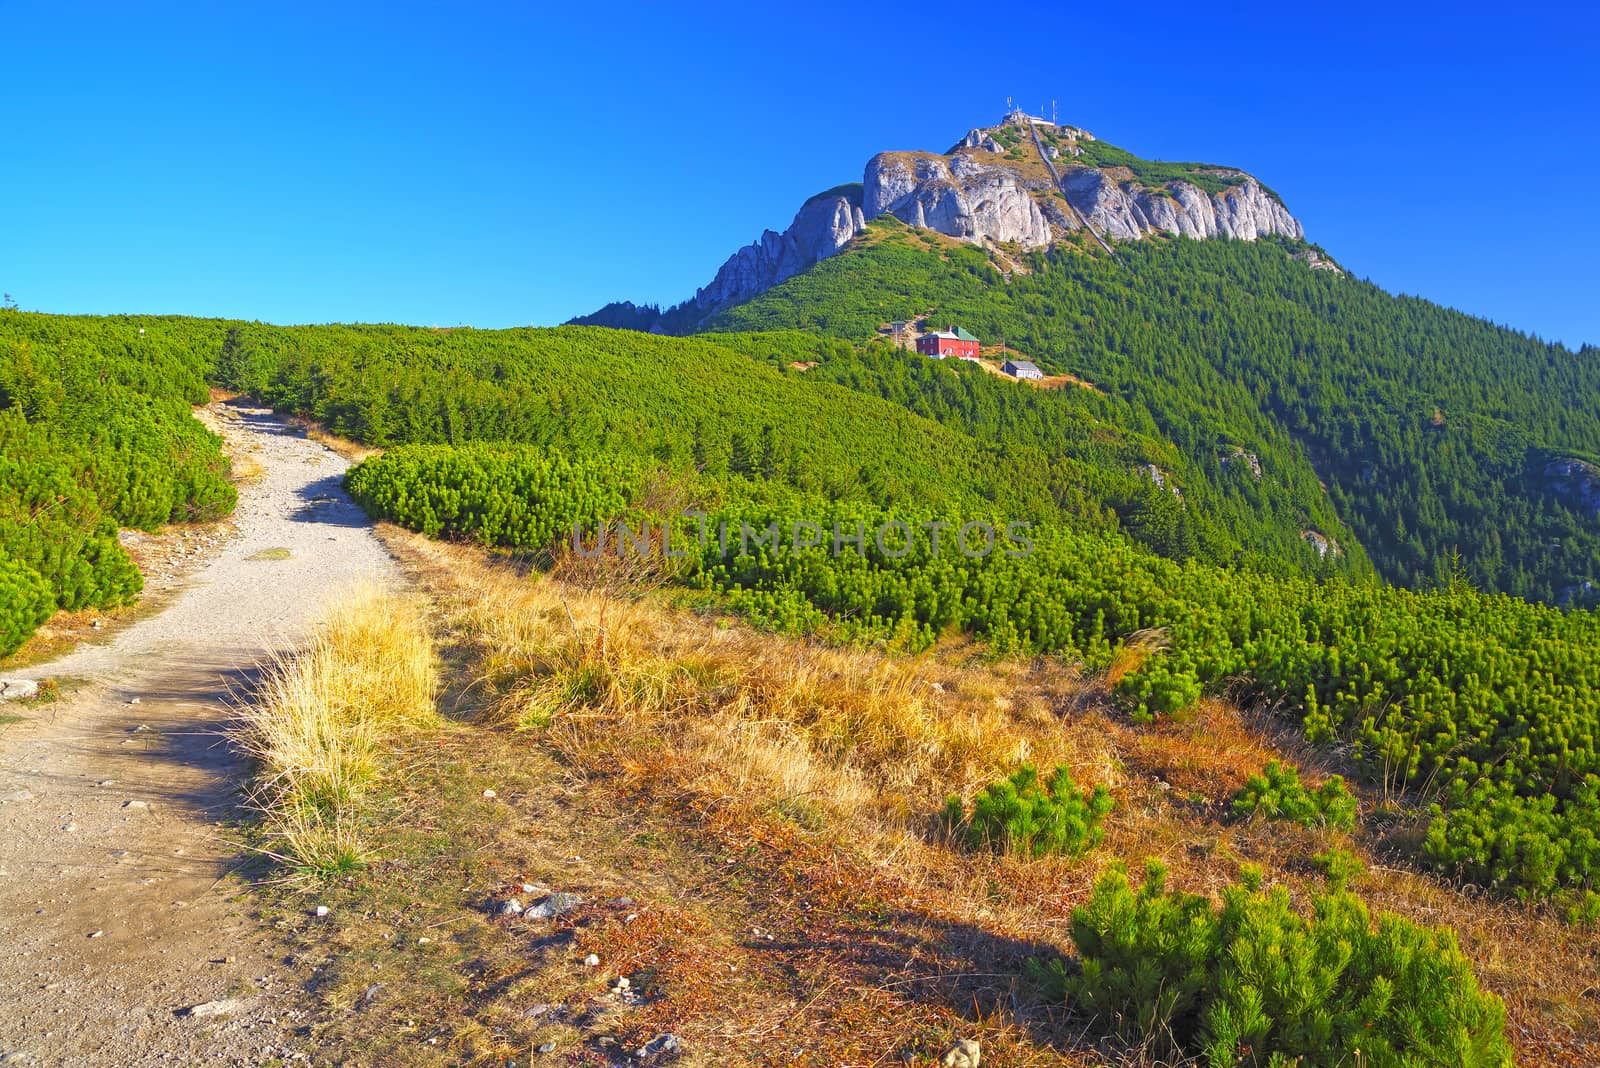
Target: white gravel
(238,606)
(113,798)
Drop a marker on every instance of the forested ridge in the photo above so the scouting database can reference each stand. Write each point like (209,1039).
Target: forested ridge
(1431,429)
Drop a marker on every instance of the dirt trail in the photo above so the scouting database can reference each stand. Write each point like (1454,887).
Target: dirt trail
(113,912)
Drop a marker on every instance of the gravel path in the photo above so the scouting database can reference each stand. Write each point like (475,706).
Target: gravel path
(113,914)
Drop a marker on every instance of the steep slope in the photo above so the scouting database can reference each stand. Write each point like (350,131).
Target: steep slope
(1026,183)
(1434,431)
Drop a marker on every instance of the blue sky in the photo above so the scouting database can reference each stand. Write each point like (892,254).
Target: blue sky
(504,165)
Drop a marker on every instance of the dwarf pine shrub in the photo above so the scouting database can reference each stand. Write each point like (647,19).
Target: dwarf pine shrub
(518,496)
(25,602)
(1255,982)
(1339,867)
(1031,816)
(1278,794)
(1489,835)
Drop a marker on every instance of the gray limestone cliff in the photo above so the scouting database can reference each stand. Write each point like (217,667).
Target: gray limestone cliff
(957,196)
(1127,211)
(822,226)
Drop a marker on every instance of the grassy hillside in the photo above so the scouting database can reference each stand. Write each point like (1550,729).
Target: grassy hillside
(1430,428)
(1482,705)
(749,822)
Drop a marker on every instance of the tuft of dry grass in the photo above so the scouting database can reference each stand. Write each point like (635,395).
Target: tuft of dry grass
(1132,653)
(316,719)
(245,469)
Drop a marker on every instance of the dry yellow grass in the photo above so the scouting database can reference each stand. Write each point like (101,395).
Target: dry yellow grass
(558,654)
(353,451)
(317,716)
(860,742)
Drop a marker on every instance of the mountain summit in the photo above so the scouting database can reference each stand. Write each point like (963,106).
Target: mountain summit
(1026,182)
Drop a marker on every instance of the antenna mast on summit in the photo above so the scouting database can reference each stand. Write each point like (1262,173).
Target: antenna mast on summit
(1053,121)
(1009,108)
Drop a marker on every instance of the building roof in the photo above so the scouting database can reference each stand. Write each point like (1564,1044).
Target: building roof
(957,334)
(1022,365)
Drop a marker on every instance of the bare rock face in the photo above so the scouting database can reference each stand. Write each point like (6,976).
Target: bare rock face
(1323,544)
(1316,261)
(822,227)
(1126,211)
(957,197)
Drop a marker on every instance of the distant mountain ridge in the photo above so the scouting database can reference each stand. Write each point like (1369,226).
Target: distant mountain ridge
(1025,183)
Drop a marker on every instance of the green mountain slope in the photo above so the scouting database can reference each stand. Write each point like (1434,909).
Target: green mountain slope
(94,412)
(1435,432)
(703,402)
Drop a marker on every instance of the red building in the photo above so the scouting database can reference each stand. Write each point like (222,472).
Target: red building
(953,342)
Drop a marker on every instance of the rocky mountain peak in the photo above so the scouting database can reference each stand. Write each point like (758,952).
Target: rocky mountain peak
(1025,182)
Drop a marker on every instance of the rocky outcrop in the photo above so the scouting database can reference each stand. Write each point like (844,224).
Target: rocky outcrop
(1126,211)
(961,197)
(980,139)
(1324,545)
(822,226)
(1577,482)
(1316,261)
(1249,461)
(956,196)
(1160,479)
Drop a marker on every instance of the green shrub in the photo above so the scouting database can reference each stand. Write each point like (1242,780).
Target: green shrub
(1489,835)
(96,432)
(25,602)
(1583,909)
(55,525)
(1030,816)
(1257,983)
(1338,866)
(1277,794)
(518,496)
